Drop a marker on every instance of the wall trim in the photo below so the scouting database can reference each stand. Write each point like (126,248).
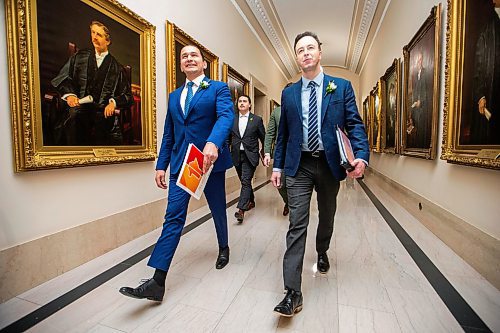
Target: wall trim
(473,245)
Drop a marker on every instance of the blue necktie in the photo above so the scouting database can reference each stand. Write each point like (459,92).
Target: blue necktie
(189,96)
(312,128)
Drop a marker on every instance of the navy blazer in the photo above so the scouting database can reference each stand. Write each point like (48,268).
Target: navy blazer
(209,119)
(338,108)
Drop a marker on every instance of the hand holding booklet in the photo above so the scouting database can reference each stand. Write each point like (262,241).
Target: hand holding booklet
(191,178)
(345,149)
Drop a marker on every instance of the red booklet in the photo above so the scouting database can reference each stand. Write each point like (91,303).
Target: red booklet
(191,178)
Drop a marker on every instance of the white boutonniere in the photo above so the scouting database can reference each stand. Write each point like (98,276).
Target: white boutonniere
(204,84)
(331,87)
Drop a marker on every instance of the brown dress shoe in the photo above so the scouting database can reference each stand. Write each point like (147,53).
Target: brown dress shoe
(240,215)
(286,210)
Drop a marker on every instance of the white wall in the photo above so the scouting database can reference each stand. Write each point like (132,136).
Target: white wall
(470,193)
(35,204)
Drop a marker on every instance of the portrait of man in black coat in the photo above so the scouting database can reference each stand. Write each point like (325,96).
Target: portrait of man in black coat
(419,122)
(94,85)
(485,123)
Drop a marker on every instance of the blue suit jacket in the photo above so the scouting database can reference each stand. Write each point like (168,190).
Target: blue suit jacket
(209,119)
(338,108)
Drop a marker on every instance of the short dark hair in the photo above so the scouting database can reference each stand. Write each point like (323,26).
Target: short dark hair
(195,46)
(305,34)
(245,95)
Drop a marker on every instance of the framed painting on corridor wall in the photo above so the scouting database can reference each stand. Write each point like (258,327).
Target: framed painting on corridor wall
(390,93)
(176,40)
(375,116)
(70,107)
(421,89)
(471,122)
(237,83)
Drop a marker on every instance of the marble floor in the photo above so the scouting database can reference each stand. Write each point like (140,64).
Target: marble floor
(373,284)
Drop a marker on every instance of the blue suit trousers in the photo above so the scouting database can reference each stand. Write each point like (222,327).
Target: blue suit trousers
(175,218)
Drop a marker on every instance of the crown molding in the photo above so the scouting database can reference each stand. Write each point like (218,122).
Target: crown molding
(267,23)
(365,22)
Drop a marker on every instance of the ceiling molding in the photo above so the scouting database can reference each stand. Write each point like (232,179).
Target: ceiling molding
(365,22)
(375,26)
(265,21)
(247,15)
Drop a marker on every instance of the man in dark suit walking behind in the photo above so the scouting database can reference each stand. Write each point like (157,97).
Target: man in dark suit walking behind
(307,154)
(248,129)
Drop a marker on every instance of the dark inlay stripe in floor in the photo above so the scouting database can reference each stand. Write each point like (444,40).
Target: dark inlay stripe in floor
(59,303)
(460,309)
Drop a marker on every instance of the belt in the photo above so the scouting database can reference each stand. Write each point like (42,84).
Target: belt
(316,154)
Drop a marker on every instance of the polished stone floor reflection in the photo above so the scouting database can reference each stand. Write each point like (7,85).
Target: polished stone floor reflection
(373,285)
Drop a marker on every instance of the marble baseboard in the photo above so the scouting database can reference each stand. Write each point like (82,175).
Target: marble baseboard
(477,248)
(28,265)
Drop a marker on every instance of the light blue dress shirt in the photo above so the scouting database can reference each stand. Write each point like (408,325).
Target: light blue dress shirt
(305,108)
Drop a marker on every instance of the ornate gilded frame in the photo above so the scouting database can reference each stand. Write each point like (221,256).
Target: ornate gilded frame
(485,156)
(23,61)
(376,117)
(234,80)
(432,23)
(366,118)
(395,70)
(176,39)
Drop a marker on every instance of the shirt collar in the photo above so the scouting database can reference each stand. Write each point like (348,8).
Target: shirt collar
(196,81)
(102,55)
(318,80)
(244,115)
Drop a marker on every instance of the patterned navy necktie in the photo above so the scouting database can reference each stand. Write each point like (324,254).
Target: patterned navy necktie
(312,128)
(189,96)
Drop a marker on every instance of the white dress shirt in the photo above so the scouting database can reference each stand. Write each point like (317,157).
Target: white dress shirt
(196,85)
(100,58)
(242,126)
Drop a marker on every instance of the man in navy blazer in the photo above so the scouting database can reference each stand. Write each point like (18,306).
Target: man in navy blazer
(199,112)
(307,154)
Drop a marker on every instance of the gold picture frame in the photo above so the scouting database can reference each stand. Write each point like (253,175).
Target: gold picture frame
(236,82)
(39,127)
(366,118)
(376,117)
(390,118)
(176,40)
(469,138)
(273,105)
(421,89)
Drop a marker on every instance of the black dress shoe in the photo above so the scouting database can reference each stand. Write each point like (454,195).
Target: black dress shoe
(149,289)
(291,304)
(240,215)
(223,258)
(286,210)
(323,263)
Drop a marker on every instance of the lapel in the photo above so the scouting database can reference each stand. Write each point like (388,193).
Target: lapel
(197,95)
(176,97)
(236,125)
(326,98)
(297,92)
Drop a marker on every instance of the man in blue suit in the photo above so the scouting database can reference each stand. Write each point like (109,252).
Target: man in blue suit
(307,154)
(199,112)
